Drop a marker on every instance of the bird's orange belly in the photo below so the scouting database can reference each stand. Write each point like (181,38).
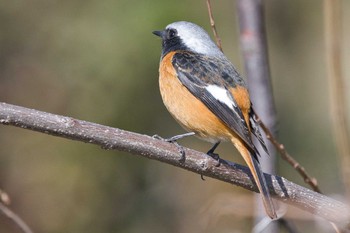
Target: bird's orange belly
(190,112)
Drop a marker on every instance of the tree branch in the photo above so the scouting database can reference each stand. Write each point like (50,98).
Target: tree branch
(146,146)
(312,181)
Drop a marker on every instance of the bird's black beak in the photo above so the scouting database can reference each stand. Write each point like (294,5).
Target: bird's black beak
(158,33)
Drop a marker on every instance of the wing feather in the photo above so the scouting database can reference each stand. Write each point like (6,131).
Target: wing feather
(197,73)
(256,130)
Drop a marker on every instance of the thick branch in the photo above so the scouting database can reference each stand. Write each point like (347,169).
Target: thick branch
(146,146)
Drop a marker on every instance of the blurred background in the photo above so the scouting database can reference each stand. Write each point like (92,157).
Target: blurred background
(98,61)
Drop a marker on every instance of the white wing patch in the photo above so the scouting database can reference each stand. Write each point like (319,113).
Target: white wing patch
(221,95)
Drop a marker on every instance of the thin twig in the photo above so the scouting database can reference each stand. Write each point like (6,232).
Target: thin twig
(212,24)
(286,156)
(333,39)
(336,228)
(143,145)
(15,218)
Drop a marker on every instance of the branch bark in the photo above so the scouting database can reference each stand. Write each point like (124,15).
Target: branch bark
(116,139)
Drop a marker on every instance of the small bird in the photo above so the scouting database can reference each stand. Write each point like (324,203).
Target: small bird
(206,95)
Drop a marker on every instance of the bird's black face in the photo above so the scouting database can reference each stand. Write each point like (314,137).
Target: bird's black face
(170,40)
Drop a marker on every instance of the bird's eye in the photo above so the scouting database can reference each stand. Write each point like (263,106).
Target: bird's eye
(172,33)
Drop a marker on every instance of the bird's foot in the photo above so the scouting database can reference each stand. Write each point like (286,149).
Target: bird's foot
(174,141)
(214,155)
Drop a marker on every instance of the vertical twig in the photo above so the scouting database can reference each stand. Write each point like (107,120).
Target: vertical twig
(212,24)
(254,48)
(333,35)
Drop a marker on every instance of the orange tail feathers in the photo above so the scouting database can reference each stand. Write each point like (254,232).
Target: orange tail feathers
(258,177)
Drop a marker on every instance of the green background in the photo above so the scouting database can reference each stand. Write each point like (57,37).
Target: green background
(98,61)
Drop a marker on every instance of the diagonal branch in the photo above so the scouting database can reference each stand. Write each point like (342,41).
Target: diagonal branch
(146,146)
(15,218)
(286,156)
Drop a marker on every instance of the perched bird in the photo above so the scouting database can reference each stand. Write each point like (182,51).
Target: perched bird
(206,95)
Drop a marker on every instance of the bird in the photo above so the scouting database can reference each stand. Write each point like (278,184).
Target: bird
(207,96)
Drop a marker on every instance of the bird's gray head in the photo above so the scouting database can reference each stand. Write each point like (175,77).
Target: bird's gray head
(187,36)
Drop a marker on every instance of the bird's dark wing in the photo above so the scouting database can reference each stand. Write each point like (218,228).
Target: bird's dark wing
(256,130)
(209,80)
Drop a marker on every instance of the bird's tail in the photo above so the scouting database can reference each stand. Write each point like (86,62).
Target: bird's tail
(265,194)
(259,180)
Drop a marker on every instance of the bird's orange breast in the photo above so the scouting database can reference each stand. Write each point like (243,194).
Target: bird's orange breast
(189,111)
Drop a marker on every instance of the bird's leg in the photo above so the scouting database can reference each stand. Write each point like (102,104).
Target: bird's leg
(214,155)
(174,141)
